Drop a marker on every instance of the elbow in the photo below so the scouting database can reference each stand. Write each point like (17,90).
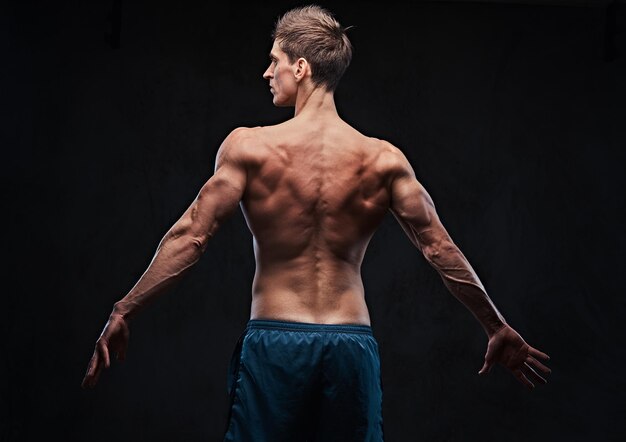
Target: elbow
(199,242)
(186,240)
(432,257)
(192,235)
(439,252)
(200,237)
(431,249)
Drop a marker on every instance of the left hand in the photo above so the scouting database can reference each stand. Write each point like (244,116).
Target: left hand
(508,348)
(114,338)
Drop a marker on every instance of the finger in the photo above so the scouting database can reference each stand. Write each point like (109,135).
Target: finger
(523,379)
(105,353)
(532,361)
(92,363)
(528,370)
(486,367)
(534,352)
(95,360)
(96,375)
(91,370)
(84,383)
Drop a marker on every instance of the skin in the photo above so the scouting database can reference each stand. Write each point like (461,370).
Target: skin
(313,191)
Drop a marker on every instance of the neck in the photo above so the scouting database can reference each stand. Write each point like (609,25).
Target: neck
(315,100)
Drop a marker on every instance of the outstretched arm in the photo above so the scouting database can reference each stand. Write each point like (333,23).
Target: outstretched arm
(414,209)
(179,249)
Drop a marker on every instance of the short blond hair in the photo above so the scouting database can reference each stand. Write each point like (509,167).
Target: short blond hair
(313,33)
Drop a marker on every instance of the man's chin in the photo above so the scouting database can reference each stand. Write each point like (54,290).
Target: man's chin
(278,103)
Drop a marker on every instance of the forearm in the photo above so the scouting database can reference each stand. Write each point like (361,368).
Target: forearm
(461,280)
(175,254)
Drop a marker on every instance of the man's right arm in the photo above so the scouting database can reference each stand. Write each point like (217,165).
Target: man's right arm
(180,249)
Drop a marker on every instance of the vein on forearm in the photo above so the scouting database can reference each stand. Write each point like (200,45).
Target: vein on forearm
(175,254)
(461,280)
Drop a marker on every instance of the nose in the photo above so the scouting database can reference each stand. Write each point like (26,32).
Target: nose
(268,73)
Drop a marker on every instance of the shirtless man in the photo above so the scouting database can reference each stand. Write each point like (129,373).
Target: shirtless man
(313,191)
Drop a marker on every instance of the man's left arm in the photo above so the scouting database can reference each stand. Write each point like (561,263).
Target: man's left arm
(415,211)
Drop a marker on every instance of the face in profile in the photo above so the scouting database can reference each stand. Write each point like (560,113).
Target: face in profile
(280,74)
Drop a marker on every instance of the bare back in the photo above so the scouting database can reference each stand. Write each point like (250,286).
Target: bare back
(315,194)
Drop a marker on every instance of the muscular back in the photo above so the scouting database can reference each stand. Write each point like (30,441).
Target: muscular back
(315,194)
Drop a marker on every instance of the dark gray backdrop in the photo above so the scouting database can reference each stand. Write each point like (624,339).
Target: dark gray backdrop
(513,116)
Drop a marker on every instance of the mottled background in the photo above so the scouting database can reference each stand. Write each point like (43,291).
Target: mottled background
(513,115)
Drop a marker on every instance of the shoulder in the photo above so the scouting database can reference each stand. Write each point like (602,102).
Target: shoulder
(391,159)
(239,145)
(238,138)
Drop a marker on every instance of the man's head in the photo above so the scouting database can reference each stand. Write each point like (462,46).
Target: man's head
(309,39)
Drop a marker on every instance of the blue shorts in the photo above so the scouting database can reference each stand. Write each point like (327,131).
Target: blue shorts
(297,382)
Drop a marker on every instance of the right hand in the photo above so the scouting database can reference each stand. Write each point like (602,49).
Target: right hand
(114,338)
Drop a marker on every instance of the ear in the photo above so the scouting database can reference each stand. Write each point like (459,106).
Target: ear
(301,68)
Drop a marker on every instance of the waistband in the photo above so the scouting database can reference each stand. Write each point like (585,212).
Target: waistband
(271,324)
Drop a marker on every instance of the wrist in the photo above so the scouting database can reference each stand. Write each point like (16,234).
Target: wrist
(494,327)
(121,308)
